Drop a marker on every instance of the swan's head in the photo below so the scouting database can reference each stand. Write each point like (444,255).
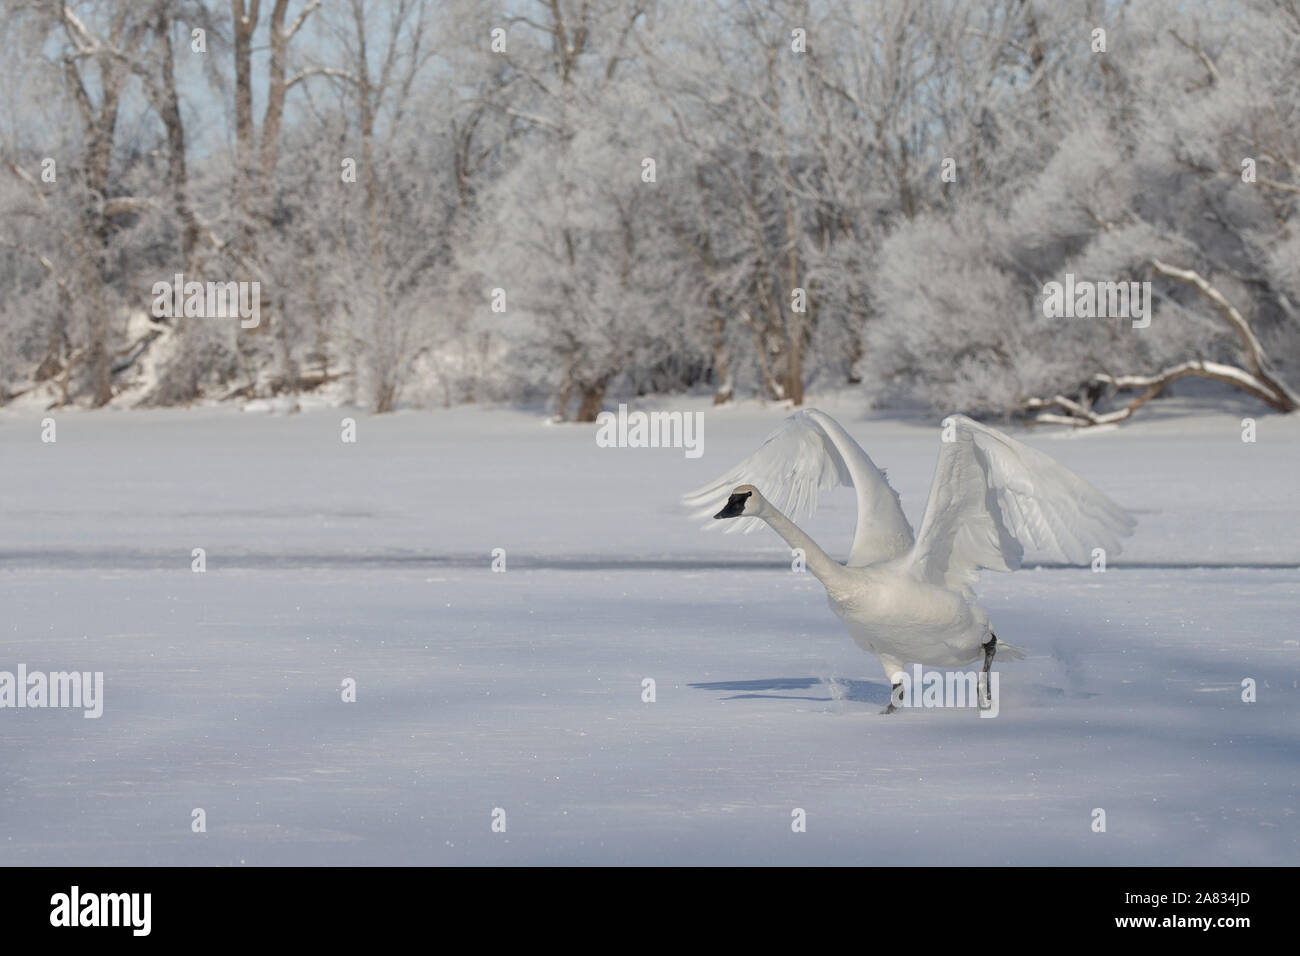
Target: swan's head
(743,503)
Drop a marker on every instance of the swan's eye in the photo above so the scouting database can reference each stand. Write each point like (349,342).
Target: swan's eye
(735,506)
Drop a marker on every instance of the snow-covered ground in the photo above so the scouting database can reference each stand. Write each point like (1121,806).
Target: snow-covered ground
(523,690)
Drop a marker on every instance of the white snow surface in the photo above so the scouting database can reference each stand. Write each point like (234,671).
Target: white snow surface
(523,690)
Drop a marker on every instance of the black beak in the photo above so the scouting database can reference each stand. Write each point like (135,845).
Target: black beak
(735,506)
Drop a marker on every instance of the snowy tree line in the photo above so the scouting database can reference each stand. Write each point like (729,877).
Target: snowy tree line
(568,201)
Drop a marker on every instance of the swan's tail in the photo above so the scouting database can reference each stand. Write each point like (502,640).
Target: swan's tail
(1008,651)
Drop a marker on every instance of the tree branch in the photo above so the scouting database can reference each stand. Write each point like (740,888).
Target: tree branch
(1256,360)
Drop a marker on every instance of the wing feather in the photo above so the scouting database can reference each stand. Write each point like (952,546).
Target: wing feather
(809,454)
(993,497)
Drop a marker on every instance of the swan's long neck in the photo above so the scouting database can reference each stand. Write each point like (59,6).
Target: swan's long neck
(822,565)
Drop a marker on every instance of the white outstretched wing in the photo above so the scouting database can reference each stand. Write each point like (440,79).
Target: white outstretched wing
(992,497)
(808,454)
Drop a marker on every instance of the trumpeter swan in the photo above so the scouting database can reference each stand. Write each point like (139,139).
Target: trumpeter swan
(908,598)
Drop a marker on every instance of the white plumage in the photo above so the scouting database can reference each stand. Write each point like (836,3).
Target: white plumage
(909,598)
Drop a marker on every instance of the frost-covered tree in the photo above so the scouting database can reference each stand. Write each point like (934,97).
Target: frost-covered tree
(565,251)
(576,201)
(1149,179)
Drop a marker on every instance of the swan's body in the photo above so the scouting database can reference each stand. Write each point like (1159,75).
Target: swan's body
(904,597)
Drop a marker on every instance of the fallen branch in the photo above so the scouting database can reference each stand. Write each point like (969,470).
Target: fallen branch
(1257,378)
(1272,390)
(1079,412)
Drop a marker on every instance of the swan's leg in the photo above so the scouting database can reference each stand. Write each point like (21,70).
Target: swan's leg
(990,649)
(894,671)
